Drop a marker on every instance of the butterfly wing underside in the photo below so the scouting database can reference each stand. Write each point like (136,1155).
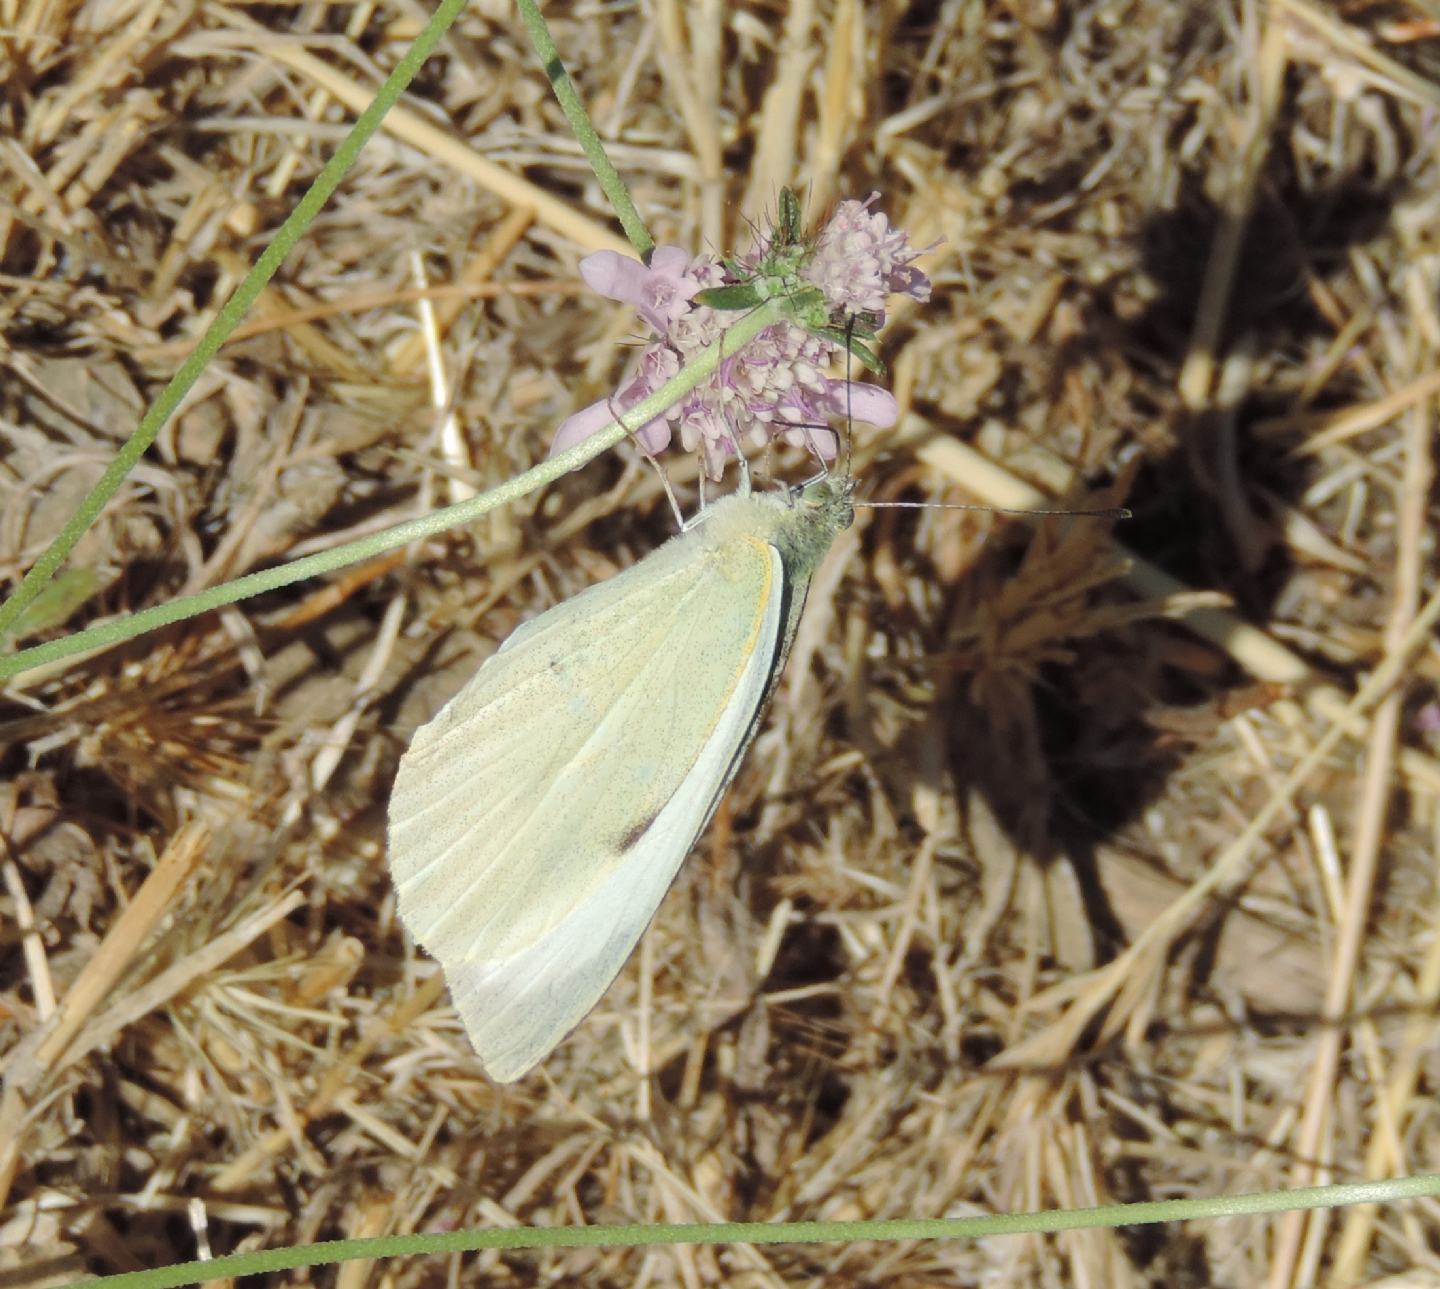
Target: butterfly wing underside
(537,821)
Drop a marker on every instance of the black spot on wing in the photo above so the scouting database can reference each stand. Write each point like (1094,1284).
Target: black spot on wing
(638,831)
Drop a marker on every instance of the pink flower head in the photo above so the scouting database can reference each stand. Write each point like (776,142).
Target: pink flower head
(776,387)
(859,261)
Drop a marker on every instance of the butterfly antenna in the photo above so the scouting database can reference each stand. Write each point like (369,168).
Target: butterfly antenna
(1101,512)
(849,413)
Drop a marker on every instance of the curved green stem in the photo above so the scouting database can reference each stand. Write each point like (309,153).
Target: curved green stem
(585,133)
(270,579)
(964,1228)
(229,316)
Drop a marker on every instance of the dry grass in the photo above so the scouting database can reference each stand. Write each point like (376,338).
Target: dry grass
(1028,896)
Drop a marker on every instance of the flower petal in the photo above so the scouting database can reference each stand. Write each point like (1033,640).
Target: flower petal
(868,403)
(579,426)
(615,276)
(671,261)
(653,436)
(660,293)
(819,439)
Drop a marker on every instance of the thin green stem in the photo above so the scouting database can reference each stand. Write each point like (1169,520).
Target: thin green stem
(229,316)
(569,99)
(966,1228)
(270,579)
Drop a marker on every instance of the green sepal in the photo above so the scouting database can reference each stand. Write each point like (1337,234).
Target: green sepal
(741,296)
(806,305)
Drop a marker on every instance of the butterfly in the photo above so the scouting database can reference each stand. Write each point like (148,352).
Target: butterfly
(538,819)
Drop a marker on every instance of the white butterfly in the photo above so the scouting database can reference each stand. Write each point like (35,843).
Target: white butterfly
(537,821)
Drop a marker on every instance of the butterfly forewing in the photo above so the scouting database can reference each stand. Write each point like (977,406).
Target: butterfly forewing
(538,820)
